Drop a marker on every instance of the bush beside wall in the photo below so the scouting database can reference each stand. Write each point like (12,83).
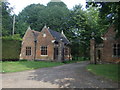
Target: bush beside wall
(10,49)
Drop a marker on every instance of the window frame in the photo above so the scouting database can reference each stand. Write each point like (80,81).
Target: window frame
(44,52)
(28,51)
(116,50)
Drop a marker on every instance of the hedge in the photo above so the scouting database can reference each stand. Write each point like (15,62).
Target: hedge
(10,49)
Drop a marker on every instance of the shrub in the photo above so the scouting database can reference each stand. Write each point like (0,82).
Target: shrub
(10,49)
(23,60)
(14,37)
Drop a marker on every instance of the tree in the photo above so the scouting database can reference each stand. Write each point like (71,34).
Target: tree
(60,4)
(109,14)
(82,31)
(37,15)
(6,19)
(93,19)
(29,16)
(82,23)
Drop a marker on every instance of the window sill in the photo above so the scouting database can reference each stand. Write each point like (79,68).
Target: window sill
(44,55)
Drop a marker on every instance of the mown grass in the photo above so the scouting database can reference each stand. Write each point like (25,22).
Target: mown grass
(106,70)
(16,66)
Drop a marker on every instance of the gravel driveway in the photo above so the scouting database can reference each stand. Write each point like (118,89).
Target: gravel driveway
(65,76)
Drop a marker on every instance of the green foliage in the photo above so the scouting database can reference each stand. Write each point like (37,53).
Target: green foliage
(37,15)
(14,37)
(77,24)
(93,21)
(109,14)
(16,66)
(54,4)
(6,19)
(106,70)
(76,59)
(23,60)
(73,61)
(10,48)
(82,25)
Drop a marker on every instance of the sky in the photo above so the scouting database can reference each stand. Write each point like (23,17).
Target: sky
(18,5)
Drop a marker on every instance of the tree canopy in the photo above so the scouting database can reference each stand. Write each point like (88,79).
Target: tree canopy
(109,13)
(6,19)
(37,15)
(77,23)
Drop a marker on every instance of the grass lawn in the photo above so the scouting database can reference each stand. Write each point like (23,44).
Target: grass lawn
(16,66)
(106,70)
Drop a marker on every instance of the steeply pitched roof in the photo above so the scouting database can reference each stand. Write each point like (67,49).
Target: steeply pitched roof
(58,36)
(55,34)
(35,33)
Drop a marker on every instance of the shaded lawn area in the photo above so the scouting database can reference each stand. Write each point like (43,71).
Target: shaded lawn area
(16,66)
(106,70)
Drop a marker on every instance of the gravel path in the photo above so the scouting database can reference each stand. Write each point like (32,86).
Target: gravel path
(66,76)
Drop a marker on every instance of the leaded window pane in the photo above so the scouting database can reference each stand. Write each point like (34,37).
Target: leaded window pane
(43,50)
(28,51)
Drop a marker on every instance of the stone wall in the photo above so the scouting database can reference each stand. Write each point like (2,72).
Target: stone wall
(92,51)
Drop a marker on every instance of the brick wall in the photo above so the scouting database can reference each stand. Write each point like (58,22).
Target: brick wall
(45,41)
(108,45)
(28,40)
(44,38)
(107,48)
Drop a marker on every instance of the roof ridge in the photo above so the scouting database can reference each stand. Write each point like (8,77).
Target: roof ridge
(54,31)
(58,35)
